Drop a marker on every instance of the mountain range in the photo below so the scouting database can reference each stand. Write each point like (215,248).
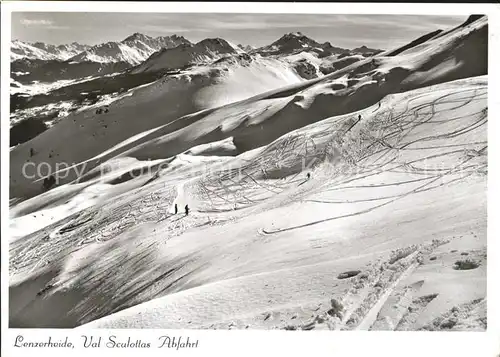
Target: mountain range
(137,47)
(134,49)
(44,51)
(40,62)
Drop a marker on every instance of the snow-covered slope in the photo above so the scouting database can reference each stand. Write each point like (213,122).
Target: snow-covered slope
(258,75)
(281,228)
(134,49)
(394,213)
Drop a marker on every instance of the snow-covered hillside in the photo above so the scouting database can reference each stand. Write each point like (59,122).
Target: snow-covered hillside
(281,228)
(339,192)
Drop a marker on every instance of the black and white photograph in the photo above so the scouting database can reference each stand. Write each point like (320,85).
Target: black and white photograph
(247,171)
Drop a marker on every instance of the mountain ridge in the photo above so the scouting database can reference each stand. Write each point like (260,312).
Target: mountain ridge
(134,49)
(138,47)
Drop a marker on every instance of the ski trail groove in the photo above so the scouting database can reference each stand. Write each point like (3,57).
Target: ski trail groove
(372,314)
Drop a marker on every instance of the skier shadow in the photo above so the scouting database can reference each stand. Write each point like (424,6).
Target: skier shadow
(168,218)
(303,182)
(178,219)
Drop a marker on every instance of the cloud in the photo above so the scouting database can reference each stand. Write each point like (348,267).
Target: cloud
(37,22)
(42,23)
(253,25)
(159,29)
(333,21)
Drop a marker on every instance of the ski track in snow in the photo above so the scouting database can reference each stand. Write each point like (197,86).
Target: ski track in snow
(371,316)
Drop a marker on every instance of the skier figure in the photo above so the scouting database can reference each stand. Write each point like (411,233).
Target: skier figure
(308,175)
(186,209)
(48,182)
(175,209)
(359,117)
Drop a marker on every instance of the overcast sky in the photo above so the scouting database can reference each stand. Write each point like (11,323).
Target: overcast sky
(349,31)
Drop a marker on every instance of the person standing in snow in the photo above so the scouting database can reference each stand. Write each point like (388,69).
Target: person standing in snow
(186,209)
(359,117)
(308,175)
(175,209)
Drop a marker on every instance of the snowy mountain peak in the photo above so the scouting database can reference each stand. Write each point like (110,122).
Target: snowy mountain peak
(296,36)
(218,45)
(290,43)
(137,37)
(293,34)
(171,41)
(134,49)
(366,50)
(186,54)
(213,42)
(246,48)
(109,52)
(177,37)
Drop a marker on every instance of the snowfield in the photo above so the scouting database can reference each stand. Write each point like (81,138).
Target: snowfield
(387,232)
(260,75)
